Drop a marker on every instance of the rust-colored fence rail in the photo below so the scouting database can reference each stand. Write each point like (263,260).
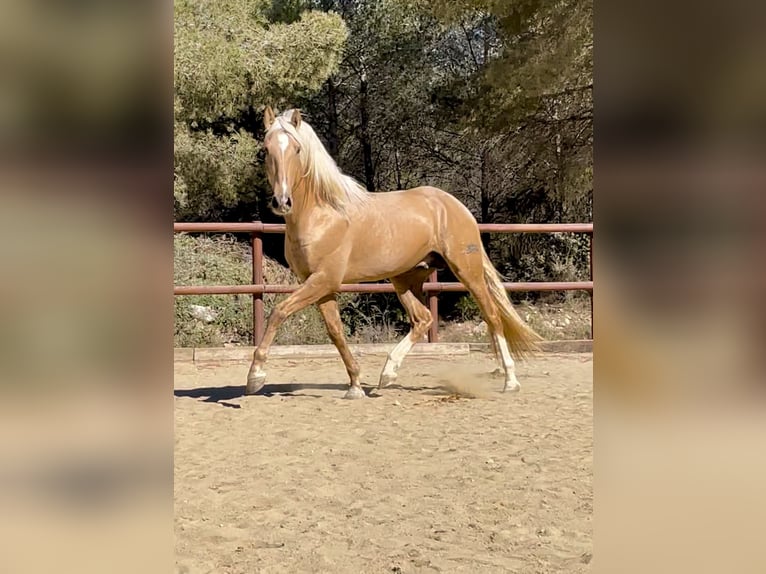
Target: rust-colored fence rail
(431,288)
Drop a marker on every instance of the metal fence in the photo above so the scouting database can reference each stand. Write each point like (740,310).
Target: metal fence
(431,288)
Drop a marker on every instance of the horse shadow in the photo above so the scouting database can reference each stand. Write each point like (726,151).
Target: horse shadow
(221,395)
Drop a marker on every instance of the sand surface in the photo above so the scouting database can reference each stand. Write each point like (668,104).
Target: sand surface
(416,478)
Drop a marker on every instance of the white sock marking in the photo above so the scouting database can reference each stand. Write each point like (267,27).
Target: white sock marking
(507,360)
(397,355)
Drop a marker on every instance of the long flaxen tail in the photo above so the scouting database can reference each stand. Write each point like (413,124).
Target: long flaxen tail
(522,340)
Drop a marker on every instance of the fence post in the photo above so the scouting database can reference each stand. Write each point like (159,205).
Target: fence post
(433,306)
(258,318)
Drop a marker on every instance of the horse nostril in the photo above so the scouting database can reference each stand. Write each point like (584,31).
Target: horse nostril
(274,203)
(289,202)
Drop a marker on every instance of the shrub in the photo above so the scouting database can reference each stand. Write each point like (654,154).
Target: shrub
(216,320)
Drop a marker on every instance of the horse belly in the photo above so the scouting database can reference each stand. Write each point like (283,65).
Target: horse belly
(384,251)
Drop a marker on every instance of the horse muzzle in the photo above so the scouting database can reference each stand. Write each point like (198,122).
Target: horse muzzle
(281,205)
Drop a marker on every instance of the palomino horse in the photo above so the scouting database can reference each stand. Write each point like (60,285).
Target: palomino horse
(337,232)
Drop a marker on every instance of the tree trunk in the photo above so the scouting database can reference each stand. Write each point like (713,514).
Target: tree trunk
(333,141)
(364,135)
(486,43)
(398,167)
(484,198)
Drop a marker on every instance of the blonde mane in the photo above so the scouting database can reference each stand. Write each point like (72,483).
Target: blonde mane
(322,176)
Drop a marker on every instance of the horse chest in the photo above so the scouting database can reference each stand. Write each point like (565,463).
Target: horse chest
(296,258)
(302,256)
(315,242)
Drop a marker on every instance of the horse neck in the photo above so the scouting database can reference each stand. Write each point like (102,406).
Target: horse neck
(304,202)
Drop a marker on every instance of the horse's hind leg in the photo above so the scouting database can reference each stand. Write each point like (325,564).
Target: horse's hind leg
(331,315)
(467,265)
(409,289)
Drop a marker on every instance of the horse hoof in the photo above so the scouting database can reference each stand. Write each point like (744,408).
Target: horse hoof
(386,380)
(512,387)
(255,383)
(355,393)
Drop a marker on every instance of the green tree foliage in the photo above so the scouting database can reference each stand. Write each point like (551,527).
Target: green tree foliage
(229,62)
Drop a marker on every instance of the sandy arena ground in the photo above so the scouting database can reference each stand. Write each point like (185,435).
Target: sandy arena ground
(417,478)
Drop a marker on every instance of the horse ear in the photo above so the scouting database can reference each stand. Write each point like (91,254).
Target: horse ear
(295,119)
(268,117)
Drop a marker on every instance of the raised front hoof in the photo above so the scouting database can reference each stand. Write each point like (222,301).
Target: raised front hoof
(255,383)
(386,381)
(512,387)
(355,393)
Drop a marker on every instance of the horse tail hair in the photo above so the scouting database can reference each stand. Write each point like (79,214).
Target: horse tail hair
(521,338)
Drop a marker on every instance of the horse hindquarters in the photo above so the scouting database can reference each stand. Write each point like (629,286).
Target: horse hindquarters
(467,259)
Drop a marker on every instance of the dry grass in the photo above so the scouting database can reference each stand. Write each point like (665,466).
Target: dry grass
(568,319)
(221,260)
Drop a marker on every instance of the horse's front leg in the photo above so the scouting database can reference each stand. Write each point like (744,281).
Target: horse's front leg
(316,287)
(331,315)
